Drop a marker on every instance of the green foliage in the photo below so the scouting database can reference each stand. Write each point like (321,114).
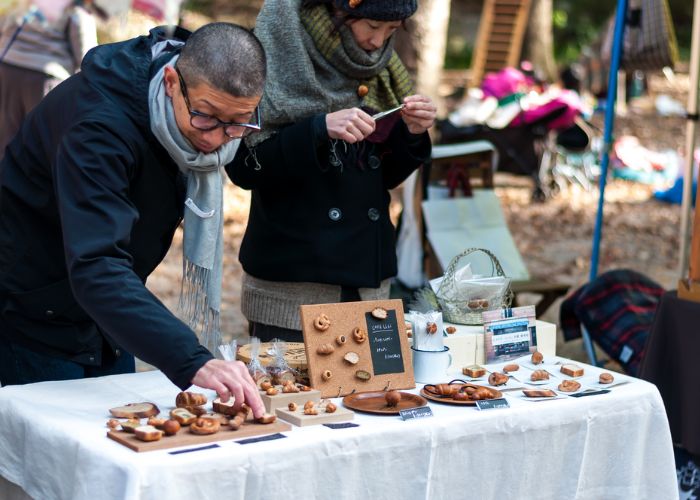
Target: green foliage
(577,23)
(458,55)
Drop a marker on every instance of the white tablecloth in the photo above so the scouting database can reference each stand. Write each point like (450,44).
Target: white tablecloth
(53,444)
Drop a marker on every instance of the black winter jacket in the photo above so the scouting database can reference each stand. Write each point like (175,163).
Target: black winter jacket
(312,220)
(89,202)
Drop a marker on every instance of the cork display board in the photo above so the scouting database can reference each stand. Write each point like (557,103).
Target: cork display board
(339,363)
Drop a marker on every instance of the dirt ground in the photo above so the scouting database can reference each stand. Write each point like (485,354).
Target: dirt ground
(554,237)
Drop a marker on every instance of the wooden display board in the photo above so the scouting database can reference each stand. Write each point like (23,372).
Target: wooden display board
(298,418)
(385,353)
(282,399)
(185,438)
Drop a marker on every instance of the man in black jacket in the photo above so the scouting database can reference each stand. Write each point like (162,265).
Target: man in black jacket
(91,191)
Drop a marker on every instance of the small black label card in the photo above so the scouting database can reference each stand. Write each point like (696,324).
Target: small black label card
(190,450)
(385,344)
(591,393)
(422,412)
(344,425)
(270,437)
(492,404)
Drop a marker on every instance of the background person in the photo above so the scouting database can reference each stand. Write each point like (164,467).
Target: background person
(319,229)
(38,50)
(92,189)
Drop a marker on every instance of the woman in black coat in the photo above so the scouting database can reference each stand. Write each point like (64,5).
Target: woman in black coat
(319,228)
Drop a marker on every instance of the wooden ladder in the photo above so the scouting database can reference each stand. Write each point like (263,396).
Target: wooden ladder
(500,38)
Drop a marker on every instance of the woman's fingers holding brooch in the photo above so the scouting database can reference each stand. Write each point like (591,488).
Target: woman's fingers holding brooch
(419,113)
(351,125)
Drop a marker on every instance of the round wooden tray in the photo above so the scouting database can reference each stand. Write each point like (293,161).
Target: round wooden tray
(495,393)
(374,402)
(295,355)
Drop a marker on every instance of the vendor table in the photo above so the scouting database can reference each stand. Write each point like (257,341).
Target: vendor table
(53,445)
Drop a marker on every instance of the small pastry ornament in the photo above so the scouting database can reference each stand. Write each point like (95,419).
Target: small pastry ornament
(379,313)
(537,358)
(359,335)
(325,349)
(569,386)
(392,398)
(352,357)
(606,378)
(322,322)
(539,375)
(497,378)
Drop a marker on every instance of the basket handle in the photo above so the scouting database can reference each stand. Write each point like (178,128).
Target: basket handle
(452,267)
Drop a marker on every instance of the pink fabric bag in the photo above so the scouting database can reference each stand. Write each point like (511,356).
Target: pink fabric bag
(563,108)
(504,83)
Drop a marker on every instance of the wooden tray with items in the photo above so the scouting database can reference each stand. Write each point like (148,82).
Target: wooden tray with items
(249,428)
(189,423)
(459,393)
(356,347)
(381,403)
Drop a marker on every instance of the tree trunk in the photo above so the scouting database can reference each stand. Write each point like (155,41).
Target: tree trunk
(538,47)
(428,31)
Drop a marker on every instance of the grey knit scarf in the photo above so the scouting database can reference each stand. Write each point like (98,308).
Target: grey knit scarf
(200,296)
(316,70)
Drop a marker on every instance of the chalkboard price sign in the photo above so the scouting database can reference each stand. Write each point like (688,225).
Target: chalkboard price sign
(385,344)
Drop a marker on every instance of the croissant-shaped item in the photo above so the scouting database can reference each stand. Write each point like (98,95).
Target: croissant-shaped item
(539,375)
(441,389)
(497,378)
(325,349)
(190,399)
(480,394)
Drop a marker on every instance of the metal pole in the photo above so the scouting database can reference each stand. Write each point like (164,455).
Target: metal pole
(607,145)
(690,129)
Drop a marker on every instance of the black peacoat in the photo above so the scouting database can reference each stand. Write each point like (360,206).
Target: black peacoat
(320,209)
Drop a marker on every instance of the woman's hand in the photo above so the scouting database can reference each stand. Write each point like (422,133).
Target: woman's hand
(350,125)
(418,113)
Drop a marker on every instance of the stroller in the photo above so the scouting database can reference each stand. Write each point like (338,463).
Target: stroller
(536,134)
(553,159)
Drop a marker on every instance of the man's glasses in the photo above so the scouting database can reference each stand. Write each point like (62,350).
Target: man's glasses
(204,122)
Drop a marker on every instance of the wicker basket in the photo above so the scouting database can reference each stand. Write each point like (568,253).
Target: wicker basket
(454,308)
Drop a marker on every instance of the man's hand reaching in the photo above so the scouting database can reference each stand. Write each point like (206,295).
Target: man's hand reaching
(230,379)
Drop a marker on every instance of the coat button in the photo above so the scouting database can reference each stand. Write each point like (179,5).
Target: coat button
(117,352)
(49,312)
(362,90)
(374,162)
(335,214)
(373,214)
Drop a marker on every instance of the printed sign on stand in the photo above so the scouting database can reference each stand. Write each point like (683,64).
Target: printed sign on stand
(509,333)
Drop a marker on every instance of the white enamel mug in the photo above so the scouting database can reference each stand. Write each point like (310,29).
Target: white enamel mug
(430,367)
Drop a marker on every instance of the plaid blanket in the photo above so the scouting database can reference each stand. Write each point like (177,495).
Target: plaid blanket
(617,308)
